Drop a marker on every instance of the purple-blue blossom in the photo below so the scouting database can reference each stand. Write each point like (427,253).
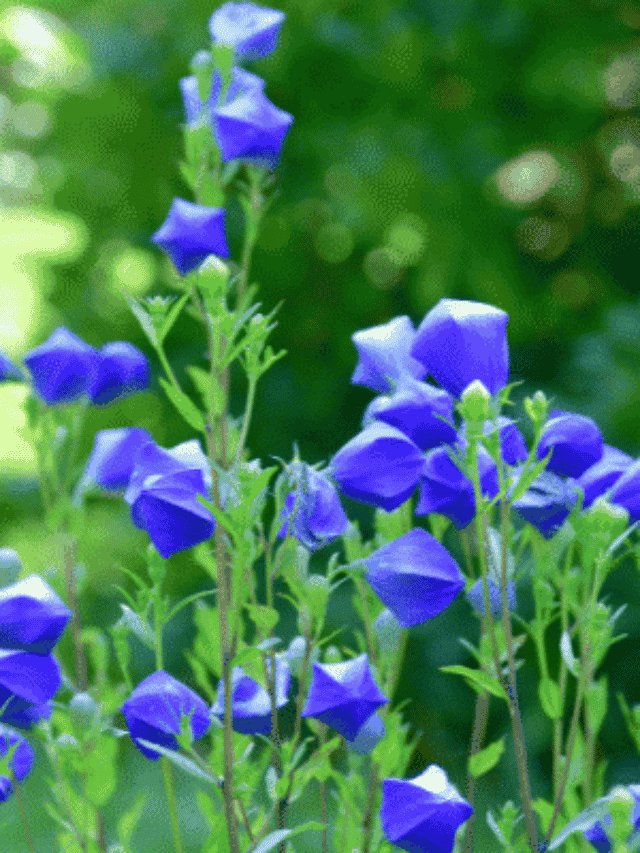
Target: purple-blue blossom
(190,233)
(384,355)
(250,29)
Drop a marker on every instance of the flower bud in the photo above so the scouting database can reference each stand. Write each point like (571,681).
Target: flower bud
(84,712)
(475,402)
(536,407)
(213,276)
(332,654)
(67,743)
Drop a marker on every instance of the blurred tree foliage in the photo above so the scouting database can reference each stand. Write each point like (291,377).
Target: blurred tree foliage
(471,149)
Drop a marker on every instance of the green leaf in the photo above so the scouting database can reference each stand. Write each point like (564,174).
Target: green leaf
(528,478)
(195,597)
(265,618)
(595,812)
(210,390)
(485,760)
(129,820)
(207,642)
(138,626)
(275,838)
(184,405)
(182,762)
(595,703)
(172,316)
(566,650)
(550,699)
(478,680)
(143,318)
(100,769)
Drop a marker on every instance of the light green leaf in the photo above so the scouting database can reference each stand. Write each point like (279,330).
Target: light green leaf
(182,762)
(275,838)
(129,820)
(528,478)
(100,769)
(172,316)
(138,626)
(478,680)
(596,703)
(595,812)
(265,618)
(550,699)
(143,318)
(184,405)
(485,760)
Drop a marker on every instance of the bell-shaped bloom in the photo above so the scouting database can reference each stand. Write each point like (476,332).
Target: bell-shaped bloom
(476,596)
(250,701)
(63,367)
(379,466)
(343,695)
(162,494)
(369,736)
(190,233)
(154,710)
(23,714)
(384,355)
(21,762)
(8,370)
(605,473)
(113,457)
(422,815)
(421,411)
(252,30)
(626,492)
(241,81)
(414,576)
(460,341)
(576,441)
(122,369)
(26,677)
(596,833)
(313,513)
(32,616)
(251,129)
(446,490)
(547,502)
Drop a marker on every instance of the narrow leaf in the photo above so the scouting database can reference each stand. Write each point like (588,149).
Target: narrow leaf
(485,760)
(275,838)
(143,318)
(184,405)
(550,699)
(172,316)
(566,650)
(181,761)
(478,680)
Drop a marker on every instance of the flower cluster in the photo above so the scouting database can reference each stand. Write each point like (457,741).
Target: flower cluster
(65,368)
(32,621)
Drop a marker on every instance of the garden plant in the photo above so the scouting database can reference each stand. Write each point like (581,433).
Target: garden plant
(265,722)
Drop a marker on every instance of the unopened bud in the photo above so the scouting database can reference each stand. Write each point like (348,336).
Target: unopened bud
(475,402)
(332,655)
(84,711)
(536,407)
(10,566)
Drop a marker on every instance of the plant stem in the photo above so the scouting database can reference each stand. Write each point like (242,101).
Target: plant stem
(171,801)
(23,815)
(477,738)
(251,232)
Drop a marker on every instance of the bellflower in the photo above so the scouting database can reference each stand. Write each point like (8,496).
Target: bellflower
(626,491)
(547,502)
(113,456)
(251,129)
(380,466)
(8,370)
(162,496)
(62,368)
(422,815)
(252,30)
(190,233)
(460,341)
(122,369)
(26,677)
(384,355)
(343,695)
(421,411)
(414,576)
(313,513)
(241,81)
(250,701)
(153,712)
(446,490)
(602,475)
(576,441)
(596,834)
(32,616)
(21,762)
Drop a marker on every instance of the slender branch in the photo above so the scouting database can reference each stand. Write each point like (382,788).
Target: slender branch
(23,815)
(171,801)
(477,738)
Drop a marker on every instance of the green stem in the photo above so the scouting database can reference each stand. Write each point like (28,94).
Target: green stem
(171,801)
(23,816)
(167,367)
(479,731)
(251,232)
(251,393)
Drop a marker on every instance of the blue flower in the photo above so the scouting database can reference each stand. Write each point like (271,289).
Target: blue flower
(21,762)
(250,701)
(190,233)
(422,815)
(313,513)
(252,30)
(460,341)
(384,355)
(547,502)
(576,441)
(32,616)
(414,576)
(122,369)
(153,712)
(241,81)
(63,367)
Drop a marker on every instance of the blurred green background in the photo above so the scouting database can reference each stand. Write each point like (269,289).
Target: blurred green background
(487,150)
